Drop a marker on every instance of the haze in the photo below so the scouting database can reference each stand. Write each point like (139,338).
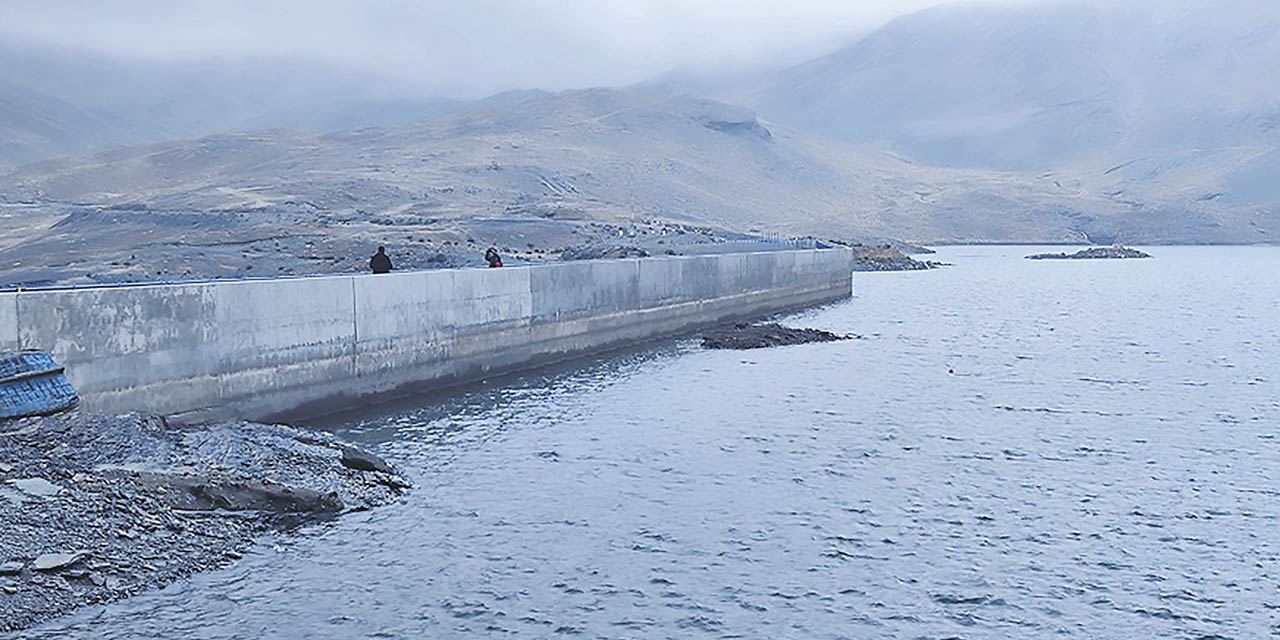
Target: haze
(464,48)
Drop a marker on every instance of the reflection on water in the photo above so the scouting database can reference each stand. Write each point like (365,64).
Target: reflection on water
(1015,450)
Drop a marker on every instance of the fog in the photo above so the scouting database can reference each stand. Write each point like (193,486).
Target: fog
(462,48)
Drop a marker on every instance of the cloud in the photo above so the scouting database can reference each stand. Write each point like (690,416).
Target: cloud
(463,47)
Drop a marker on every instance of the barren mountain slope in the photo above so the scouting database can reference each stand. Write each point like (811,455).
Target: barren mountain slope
(1169,106)
(1041,86)
(551,164)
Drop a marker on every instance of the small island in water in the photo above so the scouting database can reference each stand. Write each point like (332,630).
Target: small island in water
(1117,252)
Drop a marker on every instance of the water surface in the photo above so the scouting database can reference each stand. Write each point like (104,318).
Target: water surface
(1015,449)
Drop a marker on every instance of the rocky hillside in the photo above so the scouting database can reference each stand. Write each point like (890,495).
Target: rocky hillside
(1046,85)
(535,171)
(1168,109)
(539,172)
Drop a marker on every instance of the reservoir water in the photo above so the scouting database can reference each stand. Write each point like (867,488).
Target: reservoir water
(1014,449)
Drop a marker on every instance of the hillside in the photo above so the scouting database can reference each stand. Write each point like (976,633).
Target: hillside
(1169,107)
(528,168)
(1047,85)
(537,172)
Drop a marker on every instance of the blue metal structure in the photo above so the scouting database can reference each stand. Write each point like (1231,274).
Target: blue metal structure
(32,384)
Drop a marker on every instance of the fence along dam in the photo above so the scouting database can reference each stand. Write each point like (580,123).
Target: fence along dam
(256,349)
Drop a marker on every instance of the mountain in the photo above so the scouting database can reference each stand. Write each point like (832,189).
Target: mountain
(57,102)
(524,168)
(1169,111)
(1040,87)
(34,126)
(1070,122)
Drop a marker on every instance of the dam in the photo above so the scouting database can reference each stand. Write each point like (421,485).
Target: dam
(277,348)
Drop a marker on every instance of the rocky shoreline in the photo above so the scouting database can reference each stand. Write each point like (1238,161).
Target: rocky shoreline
(97,508)
(1094,253)
(887,258)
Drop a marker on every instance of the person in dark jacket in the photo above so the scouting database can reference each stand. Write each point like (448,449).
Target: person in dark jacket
(380,262)
(491,256)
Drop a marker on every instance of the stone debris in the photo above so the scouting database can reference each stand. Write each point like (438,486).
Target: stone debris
(603,252)
(757,336)
(887,258)
(108,506)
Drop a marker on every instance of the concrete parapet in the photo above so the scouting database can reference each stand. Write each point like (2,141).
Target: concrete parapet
(260,348)
(9,322)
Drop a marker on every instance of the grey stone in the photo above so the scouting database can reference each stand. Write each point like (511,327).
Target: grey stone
(36,487)
(353,458)
(197,493)
(55,561)
(5,468)
(11,568)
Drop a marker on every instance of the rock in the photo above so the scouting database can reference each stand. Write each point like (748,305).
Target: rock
(1117,252)
(5,468)
(38,487)
(591,252)
(55,561)
(749,336)
(353,458)
(185,498)
(197,493)
(887,258)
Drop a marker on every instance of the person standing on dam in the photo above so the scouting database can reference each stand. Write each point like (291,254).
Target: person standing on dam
(380,262)
(493,258)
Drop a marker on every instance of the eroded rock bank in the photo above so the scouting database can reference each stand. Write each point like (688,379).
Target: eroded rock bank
(96,508)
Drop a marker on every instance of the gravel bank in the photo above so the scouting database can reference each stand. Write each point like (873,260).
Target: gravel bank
(96,508)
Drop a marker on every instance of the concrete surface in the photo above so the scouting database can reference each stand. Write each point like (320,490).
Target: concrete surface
(256,349)
(8,322)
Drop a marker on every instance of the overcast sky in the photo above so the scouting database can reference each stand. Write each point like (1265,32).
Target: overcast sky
(465,47)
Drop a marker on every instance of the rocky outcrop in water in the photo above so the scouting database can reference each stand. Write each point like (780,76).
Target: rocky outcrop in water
(96,508)
(887,258)
(758,336)
(1093,253)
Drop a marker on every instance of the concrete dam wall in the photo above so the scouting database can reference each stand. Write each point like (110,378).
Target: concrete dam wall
(259,348)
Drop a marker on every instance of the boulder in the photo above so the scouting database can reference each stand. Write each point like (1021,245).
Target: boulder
(353,458)
(38,487)
(55,561)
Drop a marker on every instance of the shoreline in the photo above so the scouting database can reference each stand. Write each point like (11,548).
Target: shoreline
(99,508)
